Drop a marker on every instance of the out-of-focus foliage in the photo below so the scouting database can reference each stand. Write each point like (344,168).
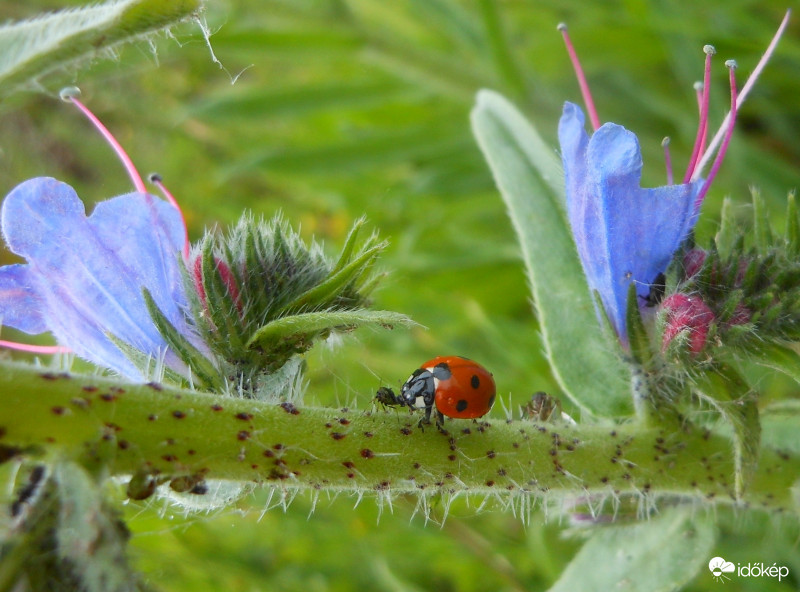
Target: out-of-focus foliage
(333,109)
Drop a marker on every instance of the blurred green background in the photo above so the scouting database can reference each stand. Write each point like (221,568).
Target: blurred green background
(328,110)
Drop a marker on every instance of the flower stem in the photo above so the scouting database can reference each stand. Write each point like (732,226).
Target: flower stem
(170,432)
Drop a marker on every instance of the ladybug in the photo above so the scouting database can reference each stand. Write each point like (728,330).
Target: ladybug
(458,387)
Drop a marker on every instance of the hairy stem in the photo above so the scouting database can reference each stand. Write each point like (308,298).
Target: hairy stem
(131,428)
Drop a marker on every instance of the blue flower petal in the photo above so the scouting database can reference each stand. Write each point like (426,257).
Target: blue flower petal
(88,273)
(19,303)
(623,233)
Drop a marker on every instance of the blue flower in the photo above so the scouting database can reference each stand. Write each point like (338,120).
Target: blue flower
(84,276)
(625,234)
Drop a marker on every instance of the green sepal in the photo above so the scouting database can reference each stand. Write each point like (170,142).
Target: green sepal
(204,374)
(762,231)
(792,227)
(324,293)
(220,304)
(349,246)
(729,231)
(293,334)
(144,362)
(729,305)
(638,339)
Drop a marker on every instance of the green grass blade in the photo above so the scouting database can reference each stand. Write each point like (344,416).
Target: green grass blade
(528,174)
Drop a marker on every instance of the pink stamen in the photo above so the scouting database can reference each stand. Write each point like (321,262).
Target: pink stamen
(748,85)
(703,123)
(35,349)
(71,95)
(731,65)
(156,180)
(576,64)
(698,91)
(667,160)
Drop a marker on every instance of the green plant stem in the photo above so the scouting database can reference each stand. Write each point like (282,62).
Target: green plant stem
(166,431)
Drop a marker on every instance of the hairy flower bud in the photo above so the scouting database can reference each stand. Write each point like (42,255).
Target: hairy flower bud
(686,313)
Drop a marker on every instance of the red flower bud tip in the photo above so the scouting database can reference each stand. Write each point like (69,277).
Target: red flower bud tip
(686,313)
(741,315)
(693,261)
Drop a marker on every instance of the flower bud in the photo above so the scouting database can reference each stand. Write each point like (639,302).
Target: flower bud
(686,313)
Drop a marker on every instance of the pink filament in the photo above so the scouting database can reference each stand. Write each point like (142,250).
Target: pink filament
(123,156)
(35,349)
(726,140)
(703,123)
(748,85)
(576,64)
(667,161)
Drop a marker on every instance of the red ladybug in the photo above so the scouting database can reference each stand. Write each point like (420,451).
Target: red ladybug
(457,386)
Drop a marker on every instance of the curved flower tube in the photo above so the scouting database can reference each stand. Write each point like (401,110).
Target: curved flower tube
(84,276)
(625,234)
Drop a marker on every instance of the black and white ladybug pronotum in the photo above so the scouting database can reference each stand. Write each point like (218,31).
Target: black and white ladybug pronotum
(455,386)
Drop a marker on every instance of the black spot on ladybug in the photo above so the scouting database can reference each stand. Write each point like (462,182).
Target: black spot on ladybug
(462,403)
(475,382)
(491,401)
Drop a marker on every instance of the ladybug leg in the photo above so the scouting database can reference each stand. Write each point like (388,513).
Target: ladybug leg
(440,423)
(426,420)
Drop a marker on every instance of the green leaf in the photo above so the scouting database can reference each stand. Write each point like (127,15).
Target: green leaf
(587,365)
(658,555)
(204,372)
(769,355)
(90,533)
(780,422)
(728,393)
(297,327)
(34,48)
